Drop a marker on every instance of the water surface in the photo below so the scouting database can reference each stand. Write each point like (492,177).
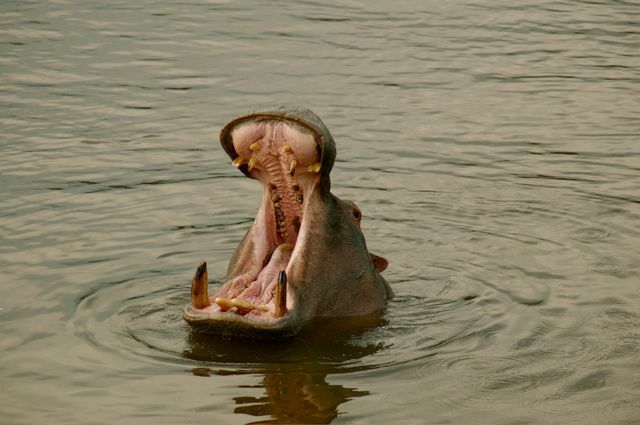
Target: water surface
(492,147)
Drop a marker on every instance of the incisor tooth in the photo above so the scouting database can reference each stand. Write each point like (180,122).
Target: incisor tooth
(224,303)
(255,146)
(243,307)
(238,161)
(314,168)
(252,163)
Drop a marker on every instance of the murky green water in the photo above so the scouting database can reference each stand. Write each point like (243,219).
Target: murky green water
(492,146)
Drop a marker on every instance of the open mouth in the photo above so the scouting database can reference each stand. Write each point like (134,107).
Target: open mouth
(285,155)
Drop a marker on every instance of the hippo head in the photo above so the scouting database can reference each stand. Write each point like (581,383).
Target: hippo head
(305,255)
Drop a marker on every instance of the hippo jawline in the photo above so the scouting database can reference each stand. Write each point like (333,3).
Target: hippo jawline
(291,156)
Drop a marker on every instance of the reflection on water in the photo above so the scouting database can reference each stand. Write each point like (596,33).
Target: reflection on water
(297,397)
(293,372)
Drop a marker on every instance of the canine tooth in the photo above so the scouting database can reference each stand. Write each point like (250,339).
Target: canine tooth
(314,168)
(280,298)
(238,161)
(224,303)
(252,163)
(287,148)
(255,146)
(199,287)
(292,166)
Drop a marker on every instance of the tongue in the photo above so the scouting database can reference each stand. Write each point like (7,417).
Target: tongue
(261,291)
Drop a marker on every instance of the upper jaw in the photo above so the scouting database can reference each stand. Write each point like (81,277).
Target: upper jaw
(301,117)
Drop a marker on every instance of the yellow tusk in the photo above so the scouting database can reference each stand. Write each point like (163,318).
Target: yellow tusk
(314,168)
(199,287)
(292,166)
(243,307)
(252,163)
(224,303)
(280,297)
(238,161)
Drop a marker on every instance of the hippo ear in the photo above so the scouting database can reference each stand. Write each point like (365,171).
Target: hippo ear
(380,263)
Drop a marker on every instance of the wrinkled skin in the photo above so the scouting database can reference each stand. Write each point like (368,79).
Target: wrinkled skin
(305,255)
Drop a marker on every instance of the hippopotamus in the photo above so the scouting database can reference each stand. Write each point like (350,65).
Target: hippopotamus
(305,255)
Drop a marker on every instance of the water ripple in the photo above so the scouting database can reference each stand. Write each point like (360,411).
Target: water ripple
(492,148)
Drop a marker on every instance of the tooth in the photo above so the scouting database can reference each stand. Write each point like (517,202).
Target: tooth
(224,303)
(275,197)
(252,163)
(199,287)
(243,307)
(314,168)
(280,298)
(287,148)
(276,204)
(238,161)
(255,146)
(292,166)
(299,198)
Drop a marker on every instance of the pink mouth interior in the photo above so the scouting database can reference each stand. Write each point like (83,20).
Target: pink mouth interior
(285,158)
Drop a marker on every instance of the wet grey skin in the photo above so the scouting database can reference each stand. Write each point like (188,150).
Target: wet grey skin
(305,255)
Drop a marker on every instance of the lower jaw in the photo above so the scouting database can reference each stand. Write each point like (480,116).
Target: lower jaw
(229,324)
(263,302)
